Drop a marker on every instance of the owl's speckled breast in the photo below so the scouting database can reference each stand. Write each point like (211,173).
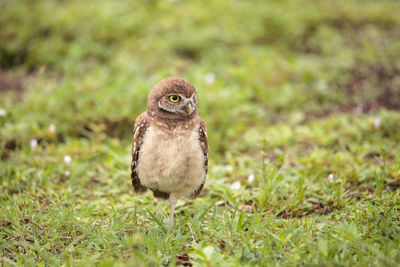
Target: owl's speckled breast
(171,160)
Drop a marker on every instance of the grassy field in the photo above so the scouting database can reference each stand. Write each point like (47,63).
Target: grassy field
(302,102)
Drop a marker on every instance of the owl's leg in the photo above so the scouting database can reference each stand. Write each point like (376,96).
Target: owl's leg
(173,197)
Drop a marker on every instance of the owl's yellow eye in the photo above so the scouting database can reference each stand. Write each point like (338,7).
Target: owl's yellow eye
(174,98)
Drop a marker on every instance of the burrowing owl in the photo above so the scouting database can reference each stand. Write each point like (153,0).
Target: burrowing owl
(170,145)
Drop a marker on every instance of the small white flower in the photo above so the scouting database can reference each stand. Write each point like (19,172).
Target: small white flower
(250,179)
(235,185)
(228,168)
(67,173)
(3,112)
(67,159)
(52,128)
(209,78)
(33,144)
(330,177)
(377,123)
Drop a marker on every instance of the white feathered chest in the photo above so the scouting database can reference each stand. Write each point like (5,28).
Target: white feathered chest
(171,161)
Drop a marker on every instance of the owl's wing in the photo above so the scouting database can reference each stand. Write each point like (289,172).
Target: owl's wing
(204,147)
(141,125)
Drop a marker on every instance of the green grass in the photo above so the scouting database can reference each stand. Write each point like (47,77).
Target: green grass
(303,96)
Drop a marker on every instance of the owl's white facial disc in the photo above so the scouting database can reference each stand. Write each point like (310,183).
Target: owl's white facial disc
(178,103)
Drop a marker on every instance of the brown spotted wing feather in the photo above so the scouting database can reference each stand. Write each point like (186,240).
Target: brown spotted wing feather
(204,147)
(141,125)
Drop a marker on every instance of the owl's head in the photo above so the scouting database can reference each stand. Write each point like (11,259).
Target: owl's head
(173,98)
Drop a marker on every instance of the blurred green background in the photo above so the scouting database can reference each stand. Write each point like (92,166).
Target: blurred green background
(269,62)
(314,85)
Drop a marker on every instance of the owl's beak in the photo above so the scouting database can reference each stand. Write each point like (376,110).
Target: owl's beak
(189,108)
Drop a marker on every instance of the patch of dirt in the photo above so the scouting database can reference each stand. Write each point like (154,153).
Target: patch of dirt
(9,60)
(373,155)
(368,88)
(120,128)
(316,208)
(94,182)
(5,223)
(353,30)
(356,109)
(357,189)
(187,52)
(380,81)
(8,147)
(183,259)
(247,208)
(10,83)
(393,185)
(222,245)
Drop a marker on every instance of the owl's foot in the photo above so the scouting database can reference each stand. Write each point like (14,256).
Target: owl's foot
(173,197)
